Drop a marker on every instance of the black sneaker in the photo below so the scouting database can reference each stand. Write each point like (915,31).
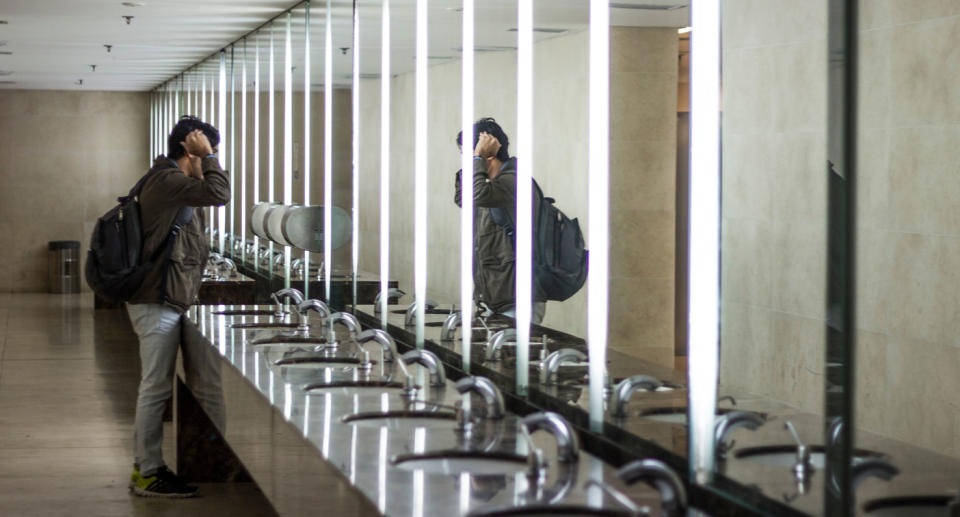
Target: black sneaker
(163,483)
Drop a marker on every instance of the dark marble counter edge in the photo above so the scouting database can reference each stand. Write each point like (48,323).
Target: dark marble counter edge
(614,446)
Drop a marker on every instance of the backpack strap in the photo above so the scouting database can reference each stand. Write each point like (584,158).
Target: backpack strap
(183,218)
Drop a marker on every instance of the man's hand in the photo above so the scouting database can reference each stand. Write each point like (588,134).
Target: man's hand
(487,146)
(197,144)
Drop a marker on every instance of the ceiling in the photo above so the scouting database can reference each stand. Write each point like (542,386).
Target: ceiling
(50,45)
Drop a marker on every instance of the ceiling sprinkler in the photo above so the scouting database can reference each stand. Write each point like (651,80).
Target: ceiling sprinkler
(93,67)
(343,50)
(108,47)
(127,19)
(80,83)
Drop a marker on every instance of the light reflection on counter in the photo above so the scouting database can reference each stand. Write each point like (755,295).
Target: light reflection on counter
(327,416)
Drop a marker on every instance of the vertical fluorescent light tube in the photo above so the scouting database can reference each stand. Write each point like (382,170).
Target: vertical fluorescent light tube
(420,172)
(328,153)
(598,211)
(287,137)
(256,147)
(384,161)
(355,153)
(222,124)
(187,109)
(243,155)
(233,151)
(307,94)
(704,249)
(525,165)
(153,128)
(466,186)
(271,147)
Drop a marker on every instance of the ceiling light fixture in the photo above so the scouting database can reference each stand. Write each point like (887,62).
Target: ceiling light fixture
(4,22)
(132,4)
(6,53)
(647,7)
(684,30)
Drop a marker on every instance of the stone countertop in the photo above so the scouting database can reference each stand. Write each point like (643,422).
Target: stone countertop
(363,454)
(922,472)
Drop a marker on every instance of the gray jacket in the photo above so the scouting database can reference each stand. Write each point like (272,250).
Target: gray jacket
(163,194)
(495,215)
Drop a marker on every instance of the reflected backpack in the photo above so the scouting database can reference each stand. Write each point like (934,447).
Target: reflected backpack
(559,253)
(115,267)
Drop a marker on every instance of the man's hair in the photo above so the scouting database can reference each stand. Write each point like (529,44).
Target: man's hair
(488,125)
(184,127)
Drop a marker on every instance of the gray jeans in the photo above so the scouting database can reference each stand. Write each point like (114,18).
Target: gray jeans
(159,330)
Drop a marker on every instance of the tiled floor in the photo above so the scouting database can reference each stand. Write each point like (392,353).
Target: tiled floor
(68,382)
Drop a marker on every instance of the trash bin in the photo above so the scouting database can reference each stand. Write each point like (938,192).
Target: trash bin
(63,266)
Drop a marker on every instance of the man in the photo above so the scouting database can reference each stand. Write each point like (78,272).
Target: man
(189,176)
(494,224)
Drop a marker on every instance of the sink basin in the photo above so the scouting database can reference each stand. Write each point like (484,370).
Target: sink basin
(437,310)
(402,419)
(379,386)
(909,506)
(264,325)
(547,509)
(675,415)
(453,463)
(245,312)
(288,340)
(786,455)
(314,361)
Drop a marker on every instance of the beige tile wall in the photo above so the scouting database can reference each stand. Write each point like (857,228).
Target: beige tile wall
(773,235)
(908,262)
(643,153)
(64,158)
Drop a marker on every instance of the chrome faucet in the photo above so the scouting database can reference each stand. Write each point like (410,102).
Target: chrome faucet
(294,294)
(802,469)
(623,391)
(392,292)
(315,306)
(230,266)
(730,421)
(429,360)
(388,353)
(408,320)
(568,443)
(347,320)
(496,341)
(555,359)
(673,494)
(835,431)
(450,326)
(486,389)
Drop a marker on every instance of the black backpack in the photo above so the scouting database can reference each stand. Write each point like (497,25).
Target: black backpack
(115,269)
(559,254)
